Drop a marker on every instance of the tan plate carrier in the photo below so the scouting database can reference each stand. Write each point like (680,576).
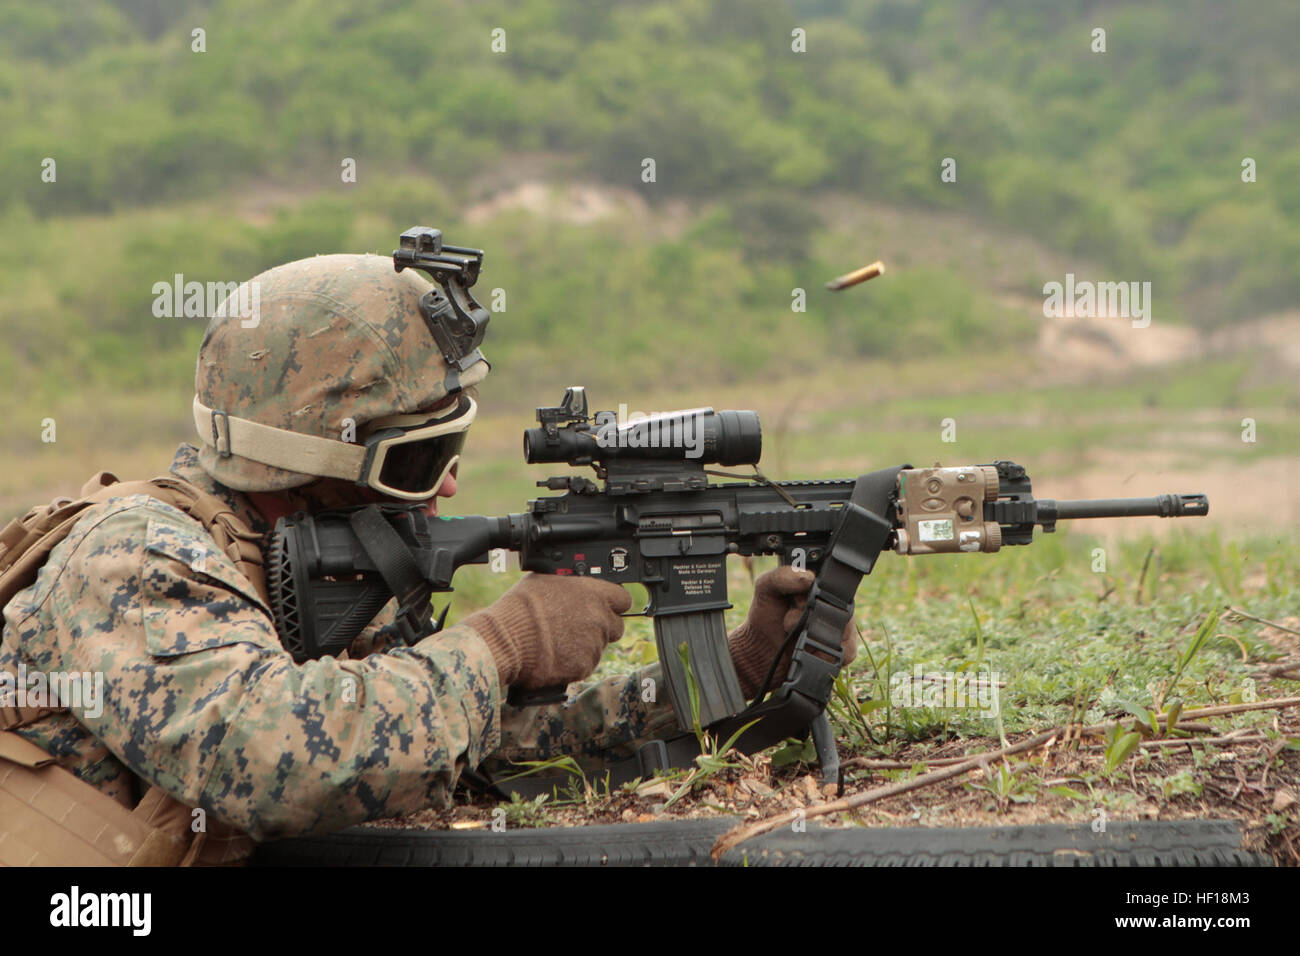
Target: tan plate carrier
(49,817)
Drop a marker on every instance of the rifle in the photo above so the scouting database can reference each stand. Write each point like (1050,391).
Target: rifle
(656,520)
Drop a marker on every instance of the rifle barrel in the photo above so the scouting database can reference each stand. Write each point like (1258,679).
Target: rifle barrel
(1164,506)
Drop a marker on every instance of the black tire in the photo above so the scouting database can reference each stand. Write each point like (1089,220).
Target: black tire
(687,843)
(1156,843)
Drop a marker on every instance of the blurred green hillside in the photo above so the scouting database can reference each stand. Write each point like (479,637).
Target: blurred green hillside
(775,170)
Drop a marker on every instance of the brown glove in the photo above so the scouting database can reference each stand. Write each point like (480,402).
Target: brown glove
(779,599)
(549,630)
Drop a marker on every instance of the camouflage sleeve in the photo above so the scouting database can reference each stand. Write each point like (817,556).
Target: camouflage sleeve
(604,720)
(200,698)
(601,721)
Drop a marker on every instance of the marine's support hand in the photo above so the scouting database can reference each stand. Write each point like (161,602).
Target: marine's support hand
(779,599)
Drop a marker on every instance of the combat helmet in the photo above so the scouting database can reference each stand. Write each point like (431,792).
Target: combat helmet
(329,367)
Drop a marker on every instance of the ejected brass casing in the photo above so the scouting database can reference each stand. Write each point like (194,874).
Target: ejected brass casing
(857,275)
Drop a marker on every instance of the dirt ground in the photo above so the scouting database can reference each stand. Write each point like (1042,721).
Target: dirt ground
(1249,773)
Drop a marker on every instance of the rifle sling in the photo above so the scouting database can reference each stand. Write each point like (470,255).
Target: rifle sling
(397,567)
(858,541)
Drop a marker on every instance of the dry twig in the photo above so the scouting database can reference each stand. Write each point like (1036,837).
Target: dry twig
(740,834)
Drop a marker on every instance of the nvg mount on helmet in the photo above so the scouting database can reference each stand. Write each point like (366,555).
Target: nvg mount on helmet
(456,321)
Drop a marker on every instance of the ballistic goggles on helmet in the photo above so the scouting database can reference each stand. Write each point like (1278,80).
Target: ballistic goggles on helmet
(402,456)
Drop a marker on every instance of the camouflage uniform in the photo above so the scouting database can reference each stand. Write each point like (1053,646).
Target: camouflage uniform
(201,699)
(199,696)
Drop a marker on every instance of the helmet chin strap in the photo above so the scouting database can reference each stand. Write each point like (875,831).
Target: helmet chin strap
(312,497)
(273,505)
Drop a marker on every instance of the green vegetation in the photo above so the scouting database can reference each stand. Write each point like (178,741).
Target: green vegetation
(1063,642)
(1068,642)
(222,163)
(775,170)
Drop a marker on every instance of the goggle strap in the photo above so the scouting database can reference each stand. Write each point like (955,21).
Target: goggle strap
(278,447)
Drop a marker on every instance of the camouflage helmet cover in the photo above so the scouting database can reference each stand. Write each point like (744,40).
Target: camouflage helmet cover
(330,339)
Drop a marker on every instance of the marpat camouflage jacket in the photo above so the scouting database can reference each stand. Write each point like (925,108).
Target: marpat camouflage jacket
(201,699)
